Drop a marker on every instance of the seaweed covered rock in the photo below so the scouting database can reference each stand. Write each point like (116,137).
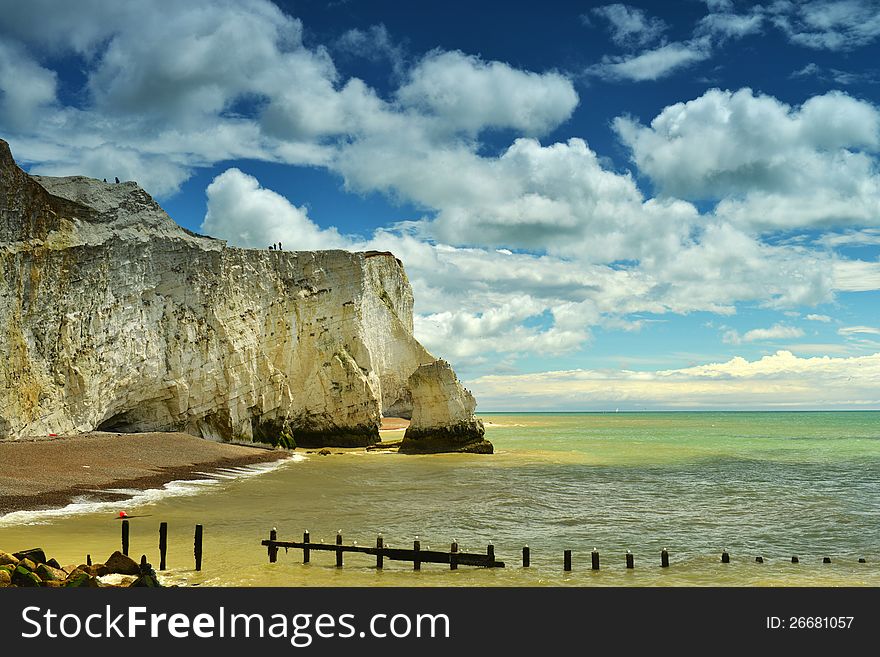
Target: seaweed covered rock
(37,555)
(6,558)
(121,564)
(120,571)
(23,577)
(49,574)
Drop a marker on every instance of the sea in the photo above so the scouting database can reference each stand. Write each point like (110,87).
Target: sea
(765,484)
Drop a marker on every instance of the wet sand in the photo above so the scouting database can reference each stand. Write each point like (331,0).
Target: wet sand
(50,473)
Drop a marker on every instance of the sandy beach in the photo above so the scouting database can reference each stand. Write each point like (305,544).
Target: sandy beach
(393,424)
(49,473)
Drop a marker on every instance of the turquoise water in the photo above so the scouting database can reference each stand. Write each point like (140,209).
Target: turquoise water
(769,484)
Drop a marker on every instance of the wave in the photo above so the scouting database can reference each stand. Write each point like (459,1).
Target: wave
(84,504)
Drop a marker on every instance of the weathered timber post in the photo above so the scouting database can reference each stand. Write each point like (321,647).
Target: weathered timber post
(725,556)
(566,560)
(306,550)
(629,559)
(197,547)
(527,557)
(490,552)
(88,559)
(125,537)
(417,563)
(594,557)
(664,558)
(453,556)
(380,559)
(795,560)
(273,550)
(339,551)
(163,544)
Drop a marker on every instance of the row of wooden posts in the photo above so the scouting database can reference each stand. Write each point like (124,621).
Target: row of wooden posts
(163,544)
(415,555)
(454,557)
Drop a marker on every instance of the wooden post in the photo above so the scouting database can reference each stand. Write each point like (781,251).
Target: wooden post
(306,551)
(725,557)
(125,537)
(197,547)
(629,559)
(273,551)
(417,564)
(88,559)
(163,544)
(826,560)
(453,556)
(380,544)
(664,558)
(566,560)
(339,552)
(490,552)
(527,557)
(795,560)
(594,555)
(759,559)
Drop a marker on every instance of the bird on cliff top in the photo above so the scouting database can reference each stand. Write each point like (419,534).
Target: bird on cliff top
(117,178)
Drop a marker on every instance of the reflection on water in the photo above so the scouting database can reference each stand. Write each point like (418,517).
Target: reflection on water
(768,484)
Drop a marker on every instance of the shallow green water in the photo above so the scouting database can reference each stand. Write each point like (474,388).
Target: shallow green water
(769,484)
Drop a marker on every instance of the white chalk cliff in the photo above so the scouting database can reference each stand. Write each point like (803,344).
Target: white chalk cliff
(113,317)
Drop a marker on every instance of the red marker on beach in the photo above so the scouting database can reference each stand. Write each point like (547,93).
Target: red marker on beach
(124,516)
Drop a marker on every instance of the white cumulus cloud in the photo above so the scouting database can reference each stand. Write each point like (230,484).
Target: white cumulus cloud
(630,26)
(775,332)
(469,94)
(651,64)
(242,211)
(769,164)
(838,25)
(779,381)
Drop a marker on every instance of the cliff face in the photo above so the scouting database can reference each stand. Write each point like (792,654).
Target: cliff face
(115,318)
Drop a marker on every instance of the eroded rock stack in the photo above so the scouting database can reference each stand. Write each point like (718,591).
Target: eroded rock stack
(112,317)
(443,414)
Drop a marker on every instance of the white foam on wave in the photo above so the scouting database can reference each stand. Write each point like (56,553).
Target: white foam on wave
(84,504)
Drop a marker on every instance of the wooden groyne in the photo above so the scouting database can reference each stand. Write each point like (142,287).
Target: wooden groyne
(417,556)
(454,557)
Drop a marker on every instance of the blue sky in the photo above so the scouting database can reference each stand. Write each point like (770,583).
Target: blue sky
(636,206)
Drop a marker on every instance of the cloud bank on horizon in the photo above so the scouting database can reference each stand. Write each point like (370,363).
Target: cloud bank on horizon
(576,216)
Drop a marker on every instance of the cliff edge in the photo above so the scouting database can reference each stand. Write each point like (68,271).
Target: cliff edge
(114,318)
